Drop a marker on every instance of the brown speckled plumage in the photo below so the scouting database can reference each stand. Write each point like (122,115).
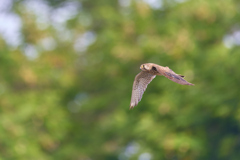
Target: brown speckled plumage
(148,73)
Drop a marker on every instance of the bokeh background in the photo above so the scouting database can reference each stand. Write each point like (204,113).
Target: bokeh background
(67,69)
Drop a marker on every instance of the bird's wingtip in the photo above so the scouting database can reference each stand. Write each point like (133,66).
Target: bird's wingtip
(131,106)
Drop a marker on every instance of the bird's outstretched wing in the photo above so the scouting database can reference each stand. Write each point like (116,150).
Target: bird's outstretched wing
(167,72)
(139,86)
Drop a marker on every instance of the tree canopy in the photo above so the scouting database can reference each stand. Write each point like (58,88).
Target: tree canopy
(67,69)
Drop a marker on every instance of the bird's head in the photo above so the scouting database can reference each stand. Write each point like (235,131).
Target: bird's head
(145,67)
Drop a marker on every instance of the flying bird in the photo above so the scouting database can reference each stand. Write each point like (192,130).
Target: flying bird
(148,73)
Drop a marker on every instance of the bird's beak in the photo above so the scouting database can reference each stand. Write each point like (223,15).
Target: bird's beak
(141,67)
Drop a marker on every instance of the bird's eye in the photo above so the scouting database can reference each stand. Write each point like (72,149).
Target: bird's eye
(143,66)
(154,68)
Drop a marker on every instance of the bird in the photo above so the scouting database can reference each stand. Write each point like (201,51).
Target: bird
(148,73)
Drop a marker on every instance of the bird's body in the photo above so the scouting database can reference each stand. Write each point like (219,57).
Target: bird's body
(148,73)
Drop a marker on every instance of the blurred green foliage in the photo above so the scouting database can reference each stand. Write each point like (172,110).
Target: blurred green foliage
(65,89)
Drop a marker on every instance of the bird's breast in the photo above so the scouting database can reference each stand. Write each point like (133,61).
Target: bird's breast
(155,72)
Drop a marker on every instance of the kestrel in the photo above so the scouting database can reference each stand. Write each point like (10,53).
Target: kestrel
(148,73)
